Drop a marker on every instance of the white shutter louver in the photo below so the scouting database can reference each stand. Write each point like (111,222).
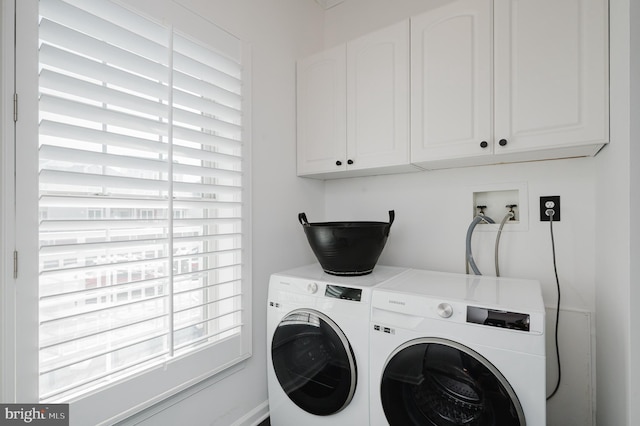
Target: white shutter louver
(141,195)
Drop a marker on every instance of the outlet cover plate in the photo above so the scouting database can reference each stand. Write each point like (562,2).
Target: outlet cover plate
(555,200)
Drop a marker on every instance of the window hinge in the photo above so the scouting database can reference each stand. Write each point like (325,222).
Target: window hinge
(15,264)
(15,107)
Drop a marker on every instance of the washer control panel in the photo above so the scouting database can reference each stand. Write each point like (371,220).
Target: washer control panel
(344,293)
(312,287)
(445,310)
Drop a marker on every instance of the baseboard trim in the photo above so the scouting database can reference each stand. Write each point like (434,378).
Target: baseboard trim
(255,416)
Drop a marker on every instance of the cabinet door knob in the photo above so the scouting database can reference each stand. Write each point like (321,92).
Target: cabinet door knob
(349,161)
(484,144)
(502,142)
(338,163)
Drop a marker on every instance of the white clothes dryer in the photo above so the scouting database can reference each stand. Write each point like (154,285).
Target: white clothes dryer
(454,349)
(317,346)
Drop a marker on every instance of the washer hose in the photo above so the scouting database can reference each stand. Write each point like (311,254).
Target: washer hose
(504,220)
(470,262)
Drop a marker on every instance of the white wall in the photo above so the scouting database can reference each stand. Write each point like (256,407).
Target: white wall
(279,31)
(433,213)
(618,271)
(354,18)
(634,299)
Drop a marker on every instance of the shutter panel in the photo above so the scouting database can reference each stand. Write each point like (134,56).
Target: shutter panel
(141,187)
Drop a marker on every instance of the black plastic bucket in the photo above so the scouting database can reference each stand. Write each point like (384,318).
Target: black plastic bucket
(347,248)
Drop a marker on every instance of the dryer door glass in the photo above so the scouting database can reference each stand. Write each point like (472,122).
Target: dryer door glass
(442,383)
(314,362)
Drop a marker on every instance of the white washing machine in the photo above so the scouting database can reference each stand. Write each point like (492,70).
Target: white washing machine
(317,346)
(455,349)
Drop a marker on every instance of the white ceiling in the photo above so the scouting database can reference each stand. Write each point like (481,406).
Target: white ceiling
(327,4)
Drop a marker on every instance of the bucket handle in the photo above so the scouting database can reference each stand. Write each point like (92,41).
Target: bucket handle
(302,218)
(392,217)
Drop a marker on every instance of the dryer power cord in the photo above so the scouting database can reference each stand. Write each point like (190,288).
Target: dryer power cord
(550,213)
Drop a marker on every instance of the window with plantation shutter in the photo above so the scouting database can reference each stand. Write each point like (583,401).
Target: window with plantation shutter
(142,201)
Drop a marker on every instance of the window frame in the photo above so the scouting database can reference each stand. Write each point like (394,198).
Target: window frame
(18,146)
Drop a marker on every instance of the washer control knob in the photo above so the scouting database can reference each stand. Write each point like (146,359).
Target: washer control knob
(445,310)
(312,288)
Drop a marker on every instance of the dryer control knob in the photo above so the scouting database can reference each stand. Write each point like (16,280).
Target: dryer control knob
(312,288)
(445,310)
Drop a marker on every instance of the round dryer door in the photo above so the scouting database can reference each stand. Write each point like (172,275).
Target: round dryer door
(314,362)
(443,383)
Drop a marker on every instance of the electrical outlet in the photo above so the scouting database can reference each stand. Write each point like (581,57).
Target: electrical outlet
(550,203)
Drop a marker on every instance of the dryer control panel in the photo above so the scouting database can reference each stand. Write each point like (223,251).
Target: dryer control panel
(497,318)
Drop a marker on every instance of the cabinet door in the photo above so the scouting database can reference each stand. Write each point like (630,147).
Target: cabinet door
(378,98)
(451,82)
(551,74)
(321,97)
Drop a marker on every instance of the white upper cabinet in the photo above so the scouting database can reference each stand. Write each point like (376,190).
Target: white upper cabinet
(378,99)
(509,80)
(353,107)
(452,82)
(322,112)
(551,75)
